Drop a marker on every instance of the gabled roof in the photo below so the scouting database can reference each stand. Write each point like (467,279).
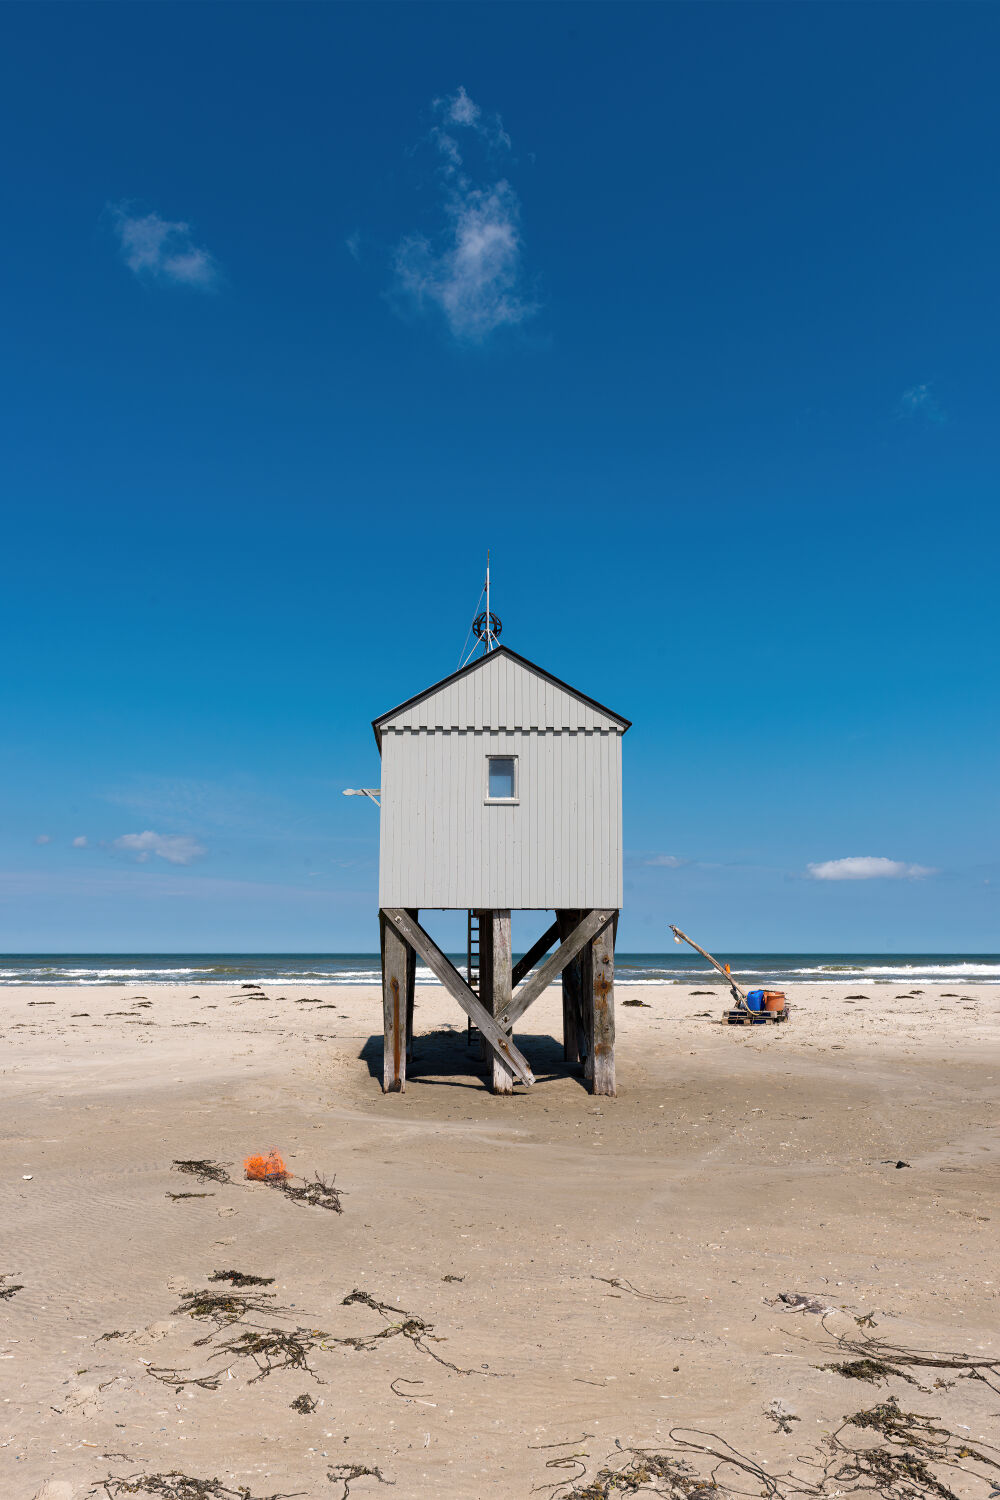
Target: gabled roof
(501,653)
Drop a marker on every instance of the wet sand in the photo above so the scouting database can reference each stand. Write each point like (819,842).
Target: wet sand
(735,1165)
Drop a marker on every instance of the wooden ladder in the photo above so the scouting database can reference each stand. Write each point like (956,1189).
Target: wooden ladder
(472,962)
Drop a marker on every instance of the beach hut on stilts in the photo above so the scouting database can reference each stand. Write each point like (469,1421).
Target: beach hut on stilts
(502,790)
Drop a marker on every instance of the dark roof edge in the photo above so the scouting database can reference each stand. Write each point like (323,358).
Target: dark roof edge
(472,665)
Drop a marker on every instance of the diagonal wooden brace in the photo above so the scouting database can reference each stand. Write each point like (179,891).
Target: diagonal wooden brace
(444,970)
(535,952)
(593,924)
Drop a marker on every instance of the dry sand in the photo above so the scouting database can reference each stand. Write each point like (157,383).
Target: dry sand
(736,1164)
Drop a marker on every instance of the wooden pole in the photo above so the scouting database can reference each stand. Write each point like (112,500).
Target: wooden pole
(394,1007)
(741,998)
(501,989)
(603,991)
(411,984)
(442,968)
(587,1011)
(548,972)
(486,978)
(572,996)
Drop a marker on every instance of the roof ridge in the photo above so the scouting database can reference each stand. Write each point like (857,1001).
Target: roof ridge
(475,665)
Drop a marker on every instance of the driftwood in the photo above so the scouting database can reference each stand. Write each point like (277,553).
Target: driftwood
(740,996)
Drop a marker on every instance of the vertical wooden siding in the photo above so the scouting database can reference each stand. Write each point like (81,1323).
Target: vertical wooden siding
(443,845)
(502,694)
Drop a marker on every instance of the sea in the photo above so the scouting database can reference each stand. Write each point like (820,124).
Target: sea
(200,969)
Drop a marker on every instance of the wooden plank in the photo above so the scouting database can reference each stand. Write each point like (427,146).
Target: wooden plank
(484,989)
(411,982)
(393,1010)
(571,993)
(593,923)
(444,970)
(501,990)
(538,950)
(603,992)
(587,1010)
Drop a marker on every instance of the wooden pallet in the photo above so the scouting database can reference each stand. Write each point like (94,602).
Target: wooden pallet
(754,1017)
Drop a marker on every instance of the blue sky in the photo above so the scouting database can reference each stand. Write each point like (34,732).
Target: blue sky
(688,312)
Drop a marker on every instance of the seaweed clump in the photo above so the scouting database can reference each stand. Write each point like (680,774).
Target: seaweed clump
(223,1308)
(241,1278)
(344,1473)
(875,1358)
(316,1194)
(177,1486)
(205,1170)
(411,1327)
(6,1292)
(273,1349)
(655,1473)
(872,1370)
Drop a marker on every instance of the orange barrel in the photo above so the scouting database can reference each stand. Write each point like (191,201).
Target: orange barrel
(774,1000)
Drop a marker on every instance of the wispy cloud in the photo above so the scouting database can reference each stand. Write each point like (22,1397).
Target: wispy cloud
(43,838)
(867,867)
(80,842)
(163,250)
(471,271)
(175,848)
(665,861)
(919,404)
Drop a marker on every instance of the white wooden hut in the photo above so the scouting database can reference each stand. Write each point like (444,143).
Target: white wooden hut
(501,790)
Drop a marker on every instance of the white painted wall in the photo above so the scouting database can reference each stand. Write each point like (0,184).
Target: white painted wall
(444,845)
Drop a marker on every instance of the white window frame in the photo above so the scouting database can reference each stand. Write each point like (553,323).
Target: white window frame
(502,801)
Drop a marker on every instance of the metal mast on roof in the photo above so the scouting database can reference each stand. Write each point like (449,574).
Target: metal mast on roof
(486,627)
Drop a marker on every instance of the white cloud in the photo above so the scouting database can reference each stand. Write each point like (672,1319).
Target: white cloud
(666,861)
(176,848)
(80,842)
(920,404)
(44,838)
(163,250)
(471,272)
(867,867)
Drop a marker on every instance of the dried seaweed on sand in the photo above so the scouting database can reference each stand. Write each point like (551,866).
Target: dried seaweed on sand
(622,1284)
(224,1308)
(344,1473)
(205,1170)
(241,1278)
(316,1194)
(911,1459)
(273,1349)
(413,1328)
(872,1358)
(177,1486)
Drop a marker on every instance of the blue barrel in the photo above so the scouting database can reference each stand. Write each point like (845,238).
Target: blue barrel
(755,999)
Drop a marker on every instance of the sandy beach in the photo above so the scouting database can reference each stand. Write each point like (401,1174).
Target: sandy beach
(578,1273)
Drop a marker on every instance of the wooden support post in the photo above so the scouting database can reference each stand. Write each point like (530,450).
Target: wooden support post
(538,950)
(572,996)
(580,938)
(587,1011)
(442,968)
(602,988)
(500,991)
(485,977)
(411,984)
(397,958)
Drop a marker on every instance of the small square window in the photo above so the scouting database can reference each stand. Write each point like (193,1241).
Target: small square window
(502,779)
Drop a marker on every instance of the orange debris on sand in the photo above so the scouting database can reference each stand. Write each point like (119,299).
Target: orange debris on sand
(269,1168)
